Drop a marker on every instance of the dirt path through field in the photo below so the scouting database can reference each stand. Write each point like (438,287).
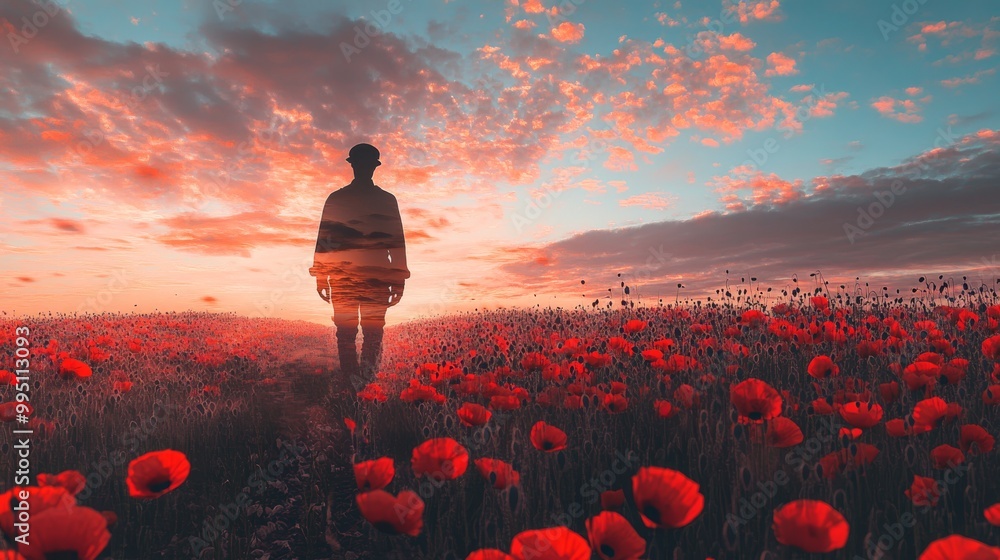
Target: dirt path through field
(313,417)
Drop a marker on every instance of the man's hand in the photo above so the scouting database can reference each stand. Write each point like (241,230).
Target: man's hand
(323,289)
(395,294)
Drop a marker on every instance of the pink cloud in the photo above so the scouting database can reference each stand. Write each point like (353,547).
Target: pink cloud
(764,190)
(736,42)
(902,110)
(533,6)
(649,201)
(780,65)
(967,80)
(568,32)
(755,10)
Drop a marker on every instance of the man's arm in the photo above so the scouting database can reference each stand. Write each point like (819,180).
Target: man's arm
(397,252)
(324,244)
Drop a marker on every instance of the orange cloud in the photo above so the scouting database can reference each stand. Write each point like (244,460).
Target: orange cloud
(568,32)
(780,65)
(902,110)
(649,201)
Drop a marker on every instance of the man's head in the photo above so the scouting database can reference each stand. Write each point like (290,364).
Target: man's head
(364,159)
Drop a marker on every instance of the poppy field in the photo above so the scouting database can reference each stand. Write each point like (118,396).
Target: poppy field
(820,426)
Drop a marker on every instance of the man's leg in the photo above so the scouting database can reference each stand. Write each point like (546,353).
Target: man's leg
(345,317)
(372,323)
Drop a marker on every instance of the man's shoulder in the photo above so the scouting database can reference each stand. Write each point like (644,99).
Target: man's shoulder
(385,193)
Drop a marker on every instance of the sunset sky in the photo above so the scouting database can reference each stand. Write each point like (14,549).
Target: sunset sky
(175,154)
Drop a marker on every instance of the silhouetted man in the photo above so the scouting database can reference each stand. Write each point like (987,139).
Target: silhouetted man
(360,262)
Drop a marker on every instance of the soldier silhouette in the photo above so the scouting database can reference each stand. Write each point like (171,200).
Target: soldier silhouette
(360,262)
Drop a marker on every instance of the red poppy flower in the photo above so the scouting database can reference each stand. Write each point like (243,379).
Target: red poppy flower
(614,403)
(375,474)
(373,392)
(861,415)
(930,412)
(957,547)
(634,326)
(9,411)
(122,386)
(500,474)
(992,515)
(547,438)
(66,532)
(156,473)
(350,424)
(619,344)
(664,409)
(889,391)
(687,396)
(612,500)
(70,368)
(974,439)
(858,454)
(505,402)
(472,414)
(73,481)
(40,498)
(991,348)
(822,407)
(811,525)
(666,498)
(596,359)
(554,543)
(897,427)
(573,402)
(822,367)
(850,433)
(440,458)
(991,395)
(946,457)
(614,538)
(783,432)
(418,392)
(753,317)
(652,354)
(110,517)
(395,515)
(924,491)
(488,554)
(756,401)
